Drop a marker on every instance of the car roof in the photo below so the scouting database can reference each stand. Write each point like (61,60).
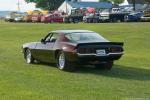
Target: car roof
(72,31)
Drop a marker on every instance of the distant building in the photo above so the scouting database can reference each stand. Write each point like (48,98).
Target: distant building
(71,4)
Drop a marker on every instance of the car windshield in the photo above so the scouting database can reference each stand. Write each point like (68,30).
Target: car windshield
(85,37)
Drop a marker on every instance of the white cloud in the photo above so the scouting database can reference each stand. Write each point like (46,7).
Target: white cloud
(11,5)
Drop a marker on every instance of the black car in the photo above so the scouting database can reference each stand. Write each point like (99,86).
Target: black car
(68,48)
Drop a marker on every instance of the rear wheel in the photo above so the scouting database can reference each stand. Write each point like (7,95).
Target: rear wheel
(105,65)
(28,57)
(62,62)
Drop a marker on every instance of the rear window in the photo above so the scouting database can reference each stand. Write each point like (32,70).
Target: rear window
(85,37)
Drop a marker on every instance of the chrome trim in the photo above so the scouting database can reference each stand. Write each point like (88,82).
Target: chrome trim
(93,54)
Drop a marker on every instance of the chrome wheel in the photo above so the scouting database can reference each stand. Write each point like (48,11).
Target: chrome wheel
(61,61)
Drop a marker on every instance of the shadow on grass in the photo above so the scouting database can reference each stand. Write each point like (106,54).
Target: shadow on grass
(119,71)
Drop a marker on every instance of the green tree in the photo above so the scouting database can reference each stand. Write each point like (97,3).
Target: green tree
(147,1)
(47,4)
(117,1)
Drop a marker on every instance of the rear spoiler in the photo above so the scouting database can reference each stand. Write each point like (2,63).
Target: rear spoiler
(101,43)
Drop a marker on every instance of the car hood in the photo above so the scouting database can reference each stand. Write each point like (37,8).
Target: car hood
(29,45)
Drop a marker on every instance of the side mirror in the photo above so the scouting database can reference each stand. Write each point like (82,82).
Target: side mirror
(42,41)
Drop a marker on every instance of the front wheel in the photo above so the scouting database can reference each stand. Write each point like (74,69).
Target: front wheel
(63,63)
(105,65)
(28,57)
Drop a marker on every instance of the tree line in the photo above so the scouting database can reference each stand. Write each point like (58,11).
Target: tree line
(54,4)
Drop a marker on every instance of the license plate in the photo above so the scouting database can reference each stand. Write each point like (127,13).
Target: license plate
(100,52)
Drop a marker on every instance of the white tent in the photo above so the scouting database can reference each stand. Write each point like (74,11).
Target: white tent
(124,3)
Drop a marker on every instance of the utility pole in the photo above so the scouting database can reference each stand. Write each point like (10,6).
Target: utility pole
(66,6)
(18,4)
(133,1)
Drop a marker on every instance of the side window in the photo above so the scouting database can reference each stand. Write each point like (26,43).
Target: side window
(51,38)
(48,38)
(54,37)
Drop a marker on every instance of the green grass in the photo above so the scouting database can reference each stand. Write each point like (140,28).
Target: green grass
(128,80)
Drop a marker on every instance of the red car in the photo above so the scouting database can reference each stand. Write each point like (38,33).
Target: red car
(52,18)
(67,48)
(36,18)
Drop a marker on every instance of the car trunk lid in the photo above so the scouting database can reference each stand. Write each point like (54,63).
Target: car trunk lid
(100,47)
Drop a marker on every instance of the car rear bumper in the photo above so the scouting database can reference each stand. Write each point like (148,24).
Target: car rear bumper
(93,58)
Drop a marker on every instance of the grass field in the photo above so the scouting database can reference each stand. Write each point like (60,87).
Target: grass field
(128,80)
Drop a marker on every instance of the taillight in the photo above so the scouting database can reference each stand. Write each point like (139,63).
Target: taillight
(113,50)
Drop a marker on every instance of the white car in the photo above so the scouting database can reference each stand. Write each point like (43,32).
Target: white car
(18,19)
(145,18)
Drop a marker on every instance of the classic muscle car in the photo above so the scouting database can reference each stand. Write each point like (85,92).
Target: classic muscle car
(68,48)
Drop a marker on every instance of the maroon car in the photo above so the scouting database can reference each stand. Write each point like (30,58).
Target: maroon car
(50,18)
(68,48)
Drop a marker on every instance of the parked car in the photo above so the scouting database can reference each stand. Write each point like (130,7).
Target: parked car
(50,18)
(36,16)
(145,18)
(75,16)
(14,16)
(134,17)
(8,18)
(67,48)
(104,15)
(27,16)
(18,19)
(91,18)
(113,15)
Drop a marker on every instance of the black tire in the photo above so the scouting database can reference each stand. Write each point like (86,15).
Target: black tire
(28,56)
(105,65)
(66,66)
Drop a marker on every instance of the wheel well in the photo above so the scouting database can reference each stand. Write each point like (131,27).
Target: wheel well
(24,51)
(56,53)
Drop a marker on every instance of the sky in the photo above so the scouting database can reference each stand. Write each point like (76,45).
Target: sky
(11,5)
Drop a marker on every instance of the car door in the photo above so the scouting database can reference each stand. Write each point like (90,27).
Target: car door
(58,18)
(52,18)
(44,49)
(55,17)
